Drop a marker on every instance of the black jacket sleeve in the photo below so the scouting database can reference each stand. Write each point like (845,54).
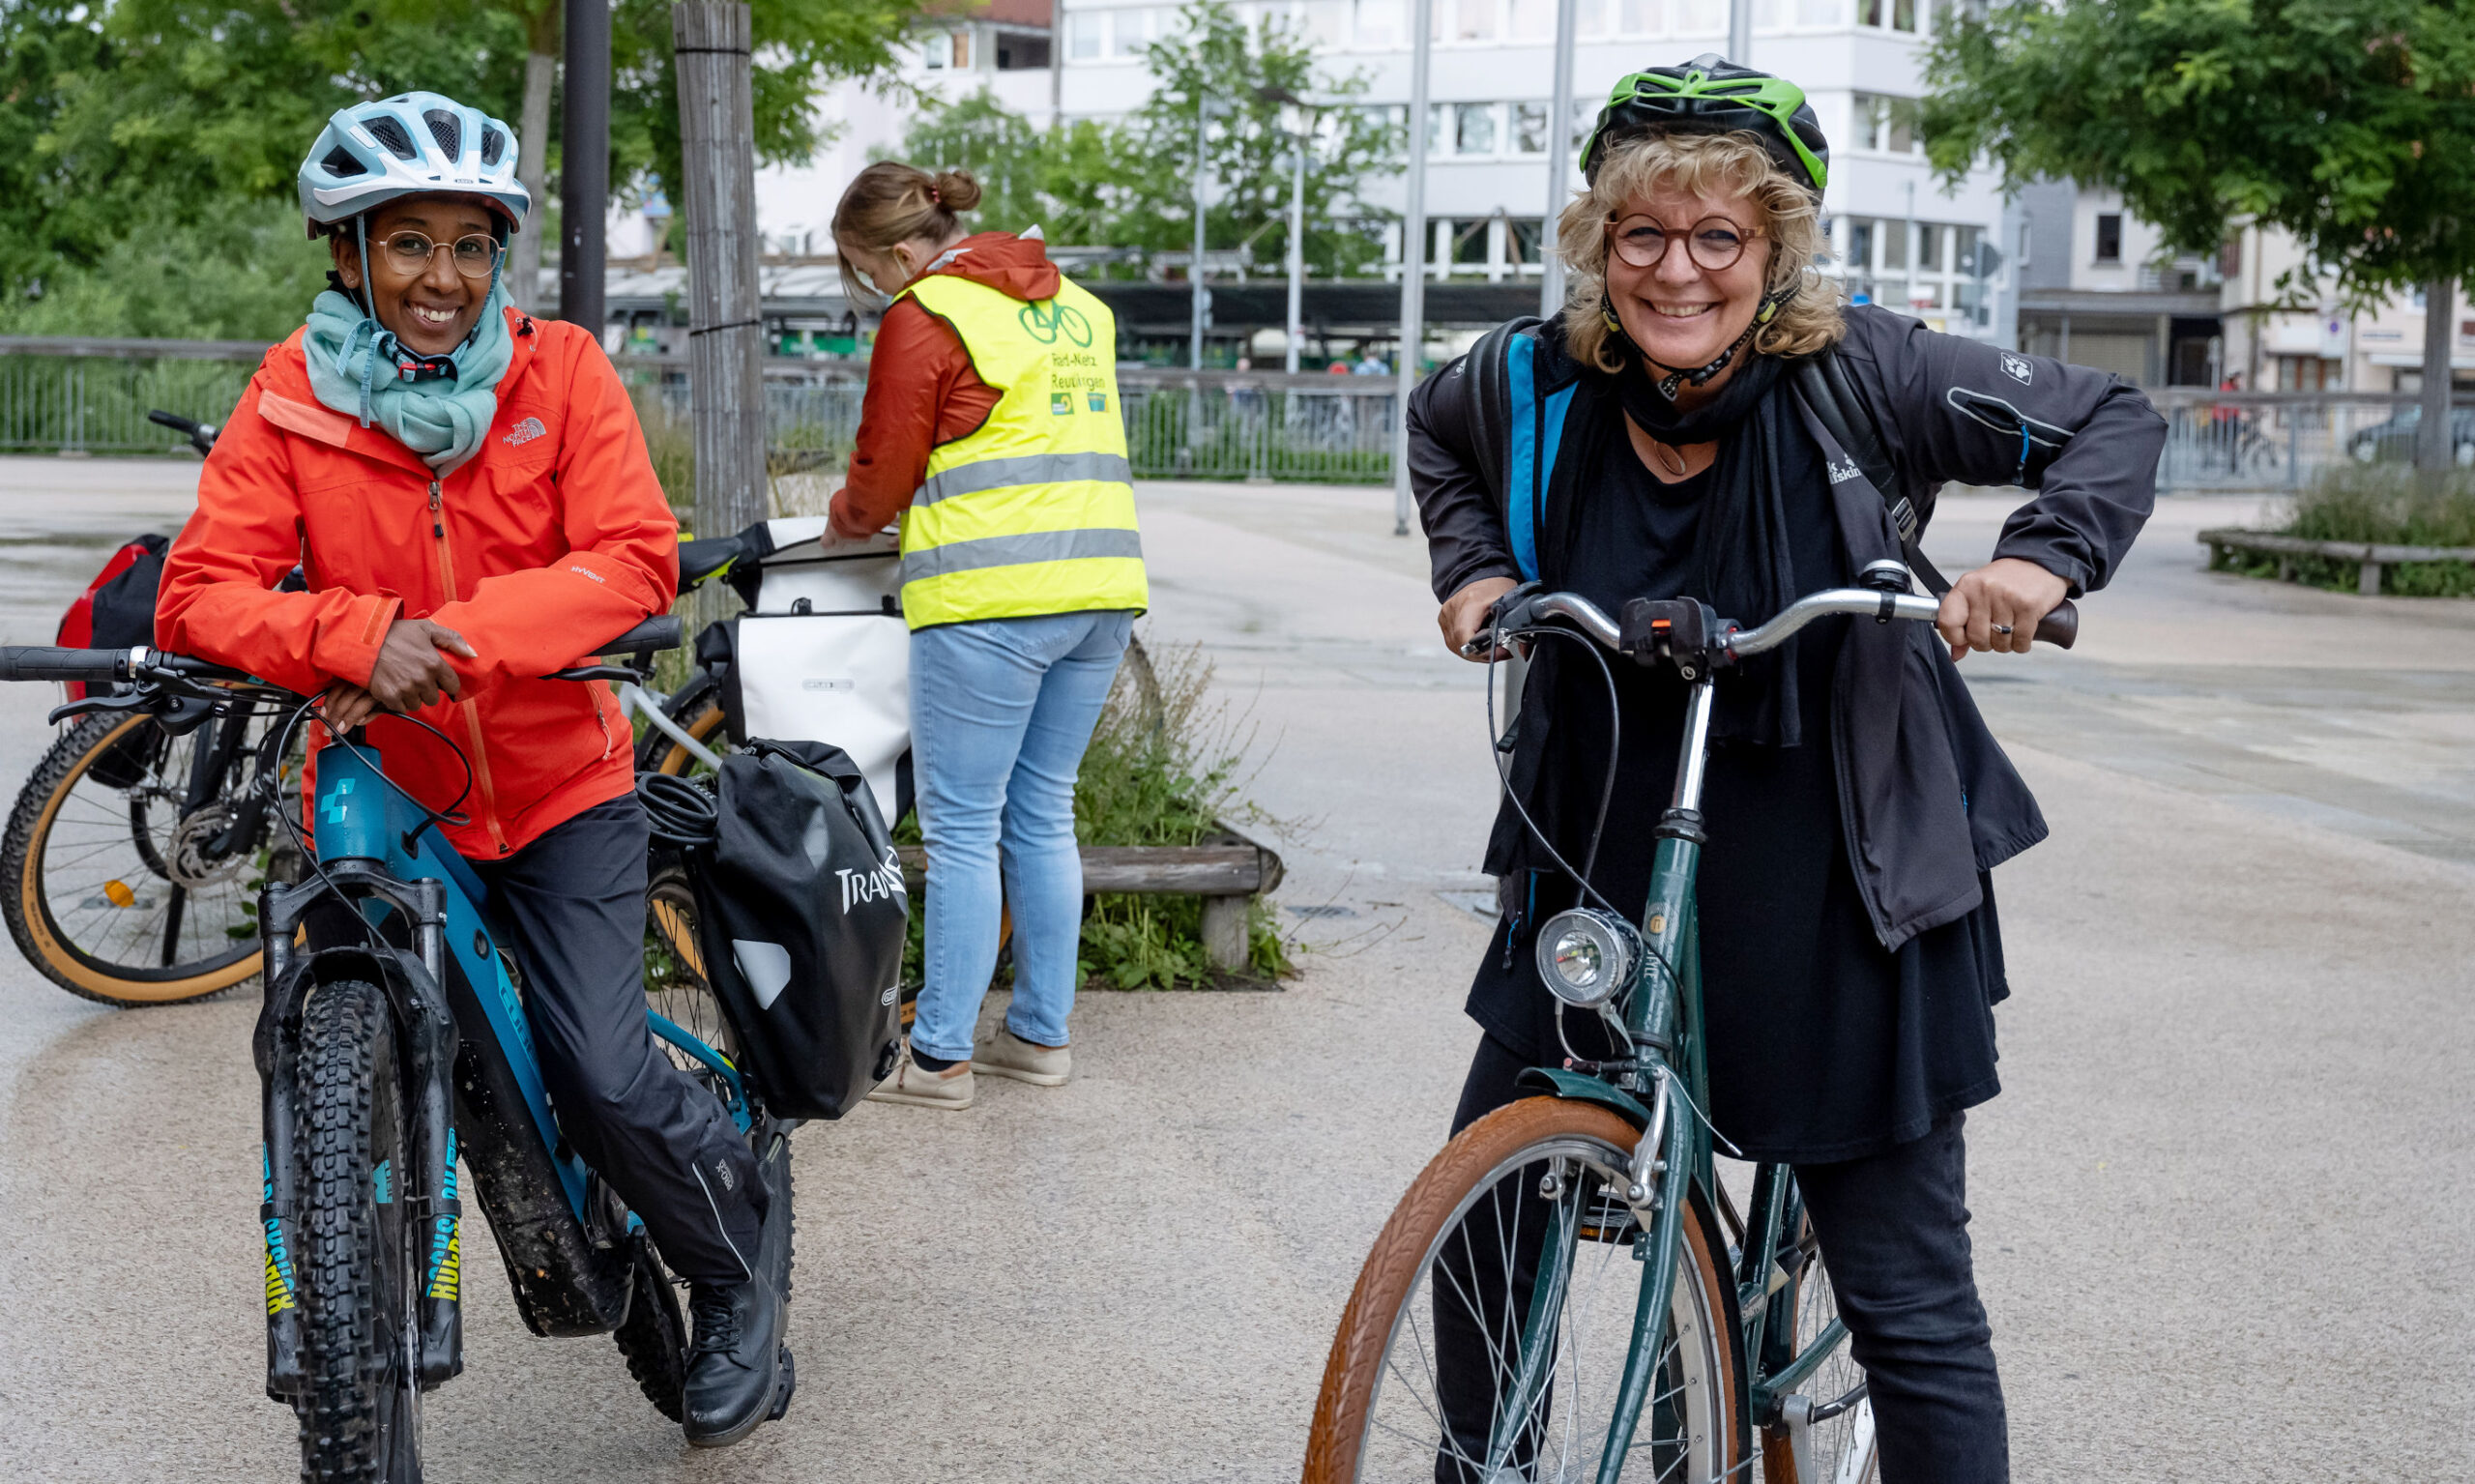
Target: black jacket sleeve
(1462,518)
(1955,409)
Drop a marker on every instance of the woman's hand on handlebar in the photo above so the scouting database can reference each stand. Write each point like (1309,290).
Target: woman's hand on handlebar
(1998,606)
(411,673)
(1464,613)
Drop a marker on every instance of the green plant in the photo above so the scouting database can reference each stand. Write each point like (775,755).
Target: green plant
(2387,504)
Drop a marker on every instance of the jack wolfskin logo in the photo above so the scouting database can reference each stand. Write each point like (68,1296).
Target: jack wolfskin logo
(1841,474)
(525,432)
(2018,368)
(1044,320)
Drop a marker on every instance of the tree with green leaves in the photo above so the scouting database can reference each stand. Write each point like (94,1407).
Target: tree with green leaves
(2348,123)
(1242,76)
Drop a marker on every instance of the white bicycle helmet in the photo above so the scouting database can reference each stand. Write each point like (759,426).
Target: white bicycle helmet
(412,144)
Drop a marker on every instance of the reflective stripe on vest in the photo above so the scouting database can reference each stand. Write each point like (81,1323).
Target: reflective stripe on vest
(1034,511)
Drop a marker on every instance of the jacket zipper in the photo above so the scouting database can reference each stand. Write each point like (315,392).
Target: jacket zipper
(471,718)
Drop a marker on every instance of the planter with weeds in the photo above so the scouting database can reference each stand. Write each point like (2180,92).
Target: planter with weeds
(2376,505)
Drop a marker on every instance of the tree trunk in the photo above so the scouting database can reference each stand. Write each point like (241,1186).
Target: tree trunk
(2432,450)
(533,168)
(727,348)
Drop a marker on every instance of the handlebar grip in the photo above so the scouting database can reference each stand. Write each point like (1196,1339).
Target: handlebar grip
(2061,627)
(173,421)
(44,662)
(662,631)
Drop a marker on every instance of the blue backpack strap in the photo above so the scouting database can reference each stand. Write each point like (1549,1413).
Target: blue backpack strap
(1536,433)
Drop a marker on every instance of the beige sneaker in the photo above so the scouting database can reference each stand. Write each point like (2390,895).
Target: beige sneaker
(916,1086)
(1000,1052)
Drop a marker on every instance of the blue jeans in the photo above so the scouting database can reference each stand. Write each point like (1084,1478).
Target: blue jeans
(1001,711)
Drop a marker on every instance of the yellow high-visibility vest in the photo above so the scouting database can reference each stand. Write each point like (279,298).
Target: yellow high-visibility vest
(1034,513)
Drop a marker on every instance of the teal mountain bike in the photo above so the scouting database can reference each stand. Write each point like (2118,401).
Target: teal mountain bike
(392,1049)
(1567,1292)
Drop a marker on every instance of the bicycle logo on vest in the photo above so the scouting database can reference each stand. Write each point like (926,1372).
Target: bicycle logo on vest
(1044,321)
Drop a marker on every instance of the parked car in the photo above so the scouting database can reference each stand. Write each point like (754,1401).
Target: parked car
(2395,439)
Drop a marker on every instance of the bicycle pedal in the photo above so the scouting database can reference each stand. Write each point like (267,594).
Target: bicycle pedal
(782,1392)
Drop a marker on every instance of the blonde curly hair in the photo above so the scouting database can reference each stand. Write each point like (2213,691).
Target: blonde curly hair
(1707,165)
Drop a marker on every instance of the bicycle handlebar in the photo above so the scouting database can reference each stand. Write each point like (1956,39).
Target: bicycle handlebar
(44,662)
(2059,627)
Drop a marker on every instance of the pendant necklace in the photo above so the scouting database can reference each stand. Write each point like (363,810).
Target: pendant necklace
(1672,459)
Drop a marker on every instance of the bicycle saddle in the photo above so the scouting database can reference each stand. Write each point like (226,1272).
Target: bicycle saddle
(701,561)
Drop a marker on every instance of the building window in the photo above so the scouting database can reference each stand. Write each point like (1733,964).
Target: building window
(1887,14)
(2109,237)
(1472,21)
(2229,259)
(1326,22)
(1531,20)
(1638,17)
(1083,35)
(1474,129)
(1701,17)
(1129,32)
(937,50)
(1379,23)
(1469,242)
(962,48)
(1887,125)
(1522,242)
(1589,18)
(1529,129)
(1017,52)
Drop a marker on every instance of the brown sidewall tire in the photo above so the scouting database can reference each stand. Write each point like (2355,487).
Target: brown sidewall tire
(1391,1272)
(702,725)
(29,915)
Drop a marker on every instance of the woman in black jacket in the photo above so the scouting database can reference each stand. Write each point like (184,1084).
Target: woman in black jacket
(1855,802)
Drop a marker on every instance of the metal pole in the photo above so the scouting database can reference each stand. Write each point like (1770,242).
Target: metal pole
(1560,144)
(1194,274)
(1298,243)
(1414,263)
(584,164)
(2433,439)
(726,373)
(1740,32)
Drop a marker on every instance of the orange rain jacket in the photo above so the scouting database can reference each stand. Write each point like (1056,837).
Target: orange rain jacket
(551,540)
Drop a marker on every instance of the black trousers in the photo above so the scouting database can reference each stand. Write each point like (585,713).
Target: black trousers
(574,903)
(1893,1228)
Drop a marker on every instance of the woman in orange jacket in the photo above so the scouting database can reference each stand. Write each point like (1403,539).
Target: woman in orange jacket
(467,490)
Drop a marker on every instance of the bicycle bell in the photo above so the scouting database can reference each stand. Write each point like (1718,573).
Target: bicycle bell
(1587,955)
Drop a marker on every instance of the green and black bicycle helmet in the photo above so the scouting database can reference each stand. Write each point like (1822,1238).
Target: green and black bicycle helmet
(1711,95)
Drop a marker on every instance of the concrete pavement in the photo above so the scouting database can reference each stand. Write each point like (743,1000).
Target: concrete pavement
(2220,1210)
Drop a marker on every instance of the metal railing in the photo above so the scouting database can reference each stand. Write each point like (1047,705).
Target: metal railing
(2270,442)
(92,395)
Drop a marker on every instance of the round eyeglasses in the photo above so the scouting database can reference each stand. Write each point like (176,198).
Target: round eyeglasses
(1713,243)
(410,252)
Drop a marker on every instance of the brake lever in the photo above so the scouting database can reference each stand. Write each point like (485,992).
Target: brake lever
(137,701)
(1505,615)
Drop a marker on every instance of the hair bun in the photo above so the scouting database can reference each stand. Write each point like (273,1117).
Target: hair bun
(957,190)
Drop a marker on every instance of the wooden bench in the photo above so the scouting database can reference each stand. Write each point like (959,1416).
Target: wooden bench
(2369,556)
(1227,875)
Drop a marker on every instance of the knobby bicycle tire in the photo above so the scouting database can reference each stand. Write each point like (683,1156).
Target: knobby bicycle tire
(654,1336)
(1389,1289)
(24,903)
(358,1264)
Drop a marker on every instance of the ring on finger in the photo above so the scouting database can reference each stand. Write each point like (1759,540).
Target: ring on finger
(2001,629)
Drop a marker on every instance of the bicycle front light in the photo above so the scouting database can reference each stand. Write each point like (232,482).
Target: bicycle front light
(1587,955)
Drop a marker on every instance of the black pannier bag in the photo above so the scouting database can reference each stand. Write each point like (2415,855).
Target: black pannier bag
(805,915)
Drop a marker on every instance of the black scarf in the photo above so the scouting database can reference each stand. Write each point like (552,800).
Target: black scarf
(1742,561)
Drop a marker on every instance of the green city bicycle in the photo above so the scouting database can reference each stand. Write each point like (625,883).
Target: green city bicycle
(1568,1292)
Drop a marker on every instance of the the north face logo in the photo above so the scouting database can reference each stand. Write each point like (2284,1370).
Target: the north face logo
(525,432)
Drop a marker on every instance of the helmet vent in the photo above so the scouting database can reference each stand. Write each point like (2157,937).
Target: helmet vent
(340,163)
(391,134)
(447,129)
(493,145)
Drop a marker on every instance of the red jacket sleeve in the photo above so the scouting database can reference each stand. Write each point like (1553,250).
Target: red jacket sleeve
(914,371)
(621,564)
(216,602)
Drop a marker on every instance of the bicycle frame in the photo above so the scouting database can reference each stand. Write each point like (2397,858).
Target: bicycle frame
(1663,1088)
(471,1073)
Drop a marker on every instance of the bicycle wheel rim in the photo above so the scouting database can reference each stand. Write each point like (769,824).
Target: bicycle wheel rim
(68,880)
(1409,1429)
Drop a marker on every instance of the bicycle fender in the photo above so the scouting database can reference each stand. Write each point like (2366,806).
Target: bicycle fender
(1582,1087)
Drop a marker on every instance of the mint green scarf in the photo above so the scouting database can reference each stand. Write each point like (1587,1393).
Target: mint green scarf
(354,368)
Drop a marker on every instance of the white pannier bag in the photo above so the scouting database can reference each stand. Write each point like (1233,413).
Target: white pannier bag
(823,654)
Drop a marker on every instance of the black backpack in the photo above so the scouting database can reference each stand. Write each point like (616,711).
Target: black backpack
(805,913)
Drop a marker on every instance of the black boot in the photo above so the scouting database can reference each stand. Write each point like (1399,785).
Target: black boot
(739,1370)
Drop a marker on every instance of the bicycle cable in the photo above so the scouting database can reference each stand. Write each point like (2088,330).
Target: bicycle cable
(682,811)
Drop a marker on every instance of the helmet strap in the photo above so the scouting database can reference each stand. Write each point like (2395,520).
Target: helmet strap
(1701,375)
(369,290)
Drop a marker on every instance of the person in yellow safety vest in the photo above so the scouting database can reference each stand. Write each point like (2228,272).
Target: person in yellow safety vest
(990,430)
